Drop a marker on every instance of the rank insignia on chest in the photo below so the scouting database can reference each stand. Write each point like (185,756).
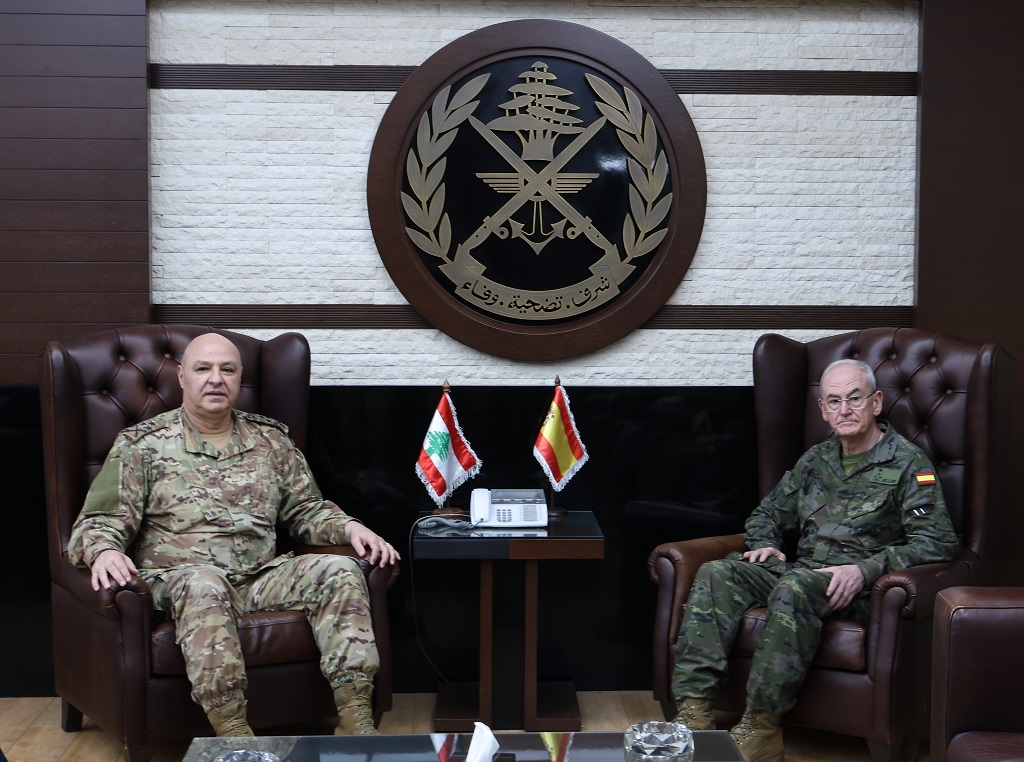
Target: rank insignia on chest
(925,477)
(887,477)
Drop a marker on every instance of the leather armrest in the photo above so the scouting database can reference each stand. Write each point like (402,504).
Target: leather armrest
(78,582)
(687,556)
(922,583)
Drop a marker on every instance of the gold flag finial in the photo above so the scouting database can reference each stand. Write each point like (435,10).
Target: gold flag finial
(558,381)
(445,387)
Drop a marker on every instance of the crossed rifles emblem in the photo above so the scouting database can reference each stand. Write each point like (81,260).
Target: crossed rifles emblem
(539,116)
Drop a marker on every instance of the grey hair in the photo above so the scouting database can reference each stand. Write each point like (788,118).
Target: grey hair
(863,367)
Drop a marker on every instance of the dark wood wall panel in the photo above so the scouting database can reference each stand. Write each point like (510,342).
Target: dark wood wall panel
(74,173)
(968,224)
(63,123)
(70,61)
(34,184)
(56,153)
(89,246)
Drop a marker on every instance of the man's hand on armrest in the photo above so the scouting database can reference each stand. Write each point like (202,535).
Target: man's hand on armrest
(112,566)
(369,545)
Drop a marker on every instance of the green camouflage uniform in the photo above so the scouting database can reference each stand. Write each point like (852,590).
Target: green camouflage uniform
(881,517)
(202,528)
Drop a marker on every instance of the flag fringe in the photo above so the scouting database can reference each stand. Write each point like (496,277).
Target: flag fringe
(555,484)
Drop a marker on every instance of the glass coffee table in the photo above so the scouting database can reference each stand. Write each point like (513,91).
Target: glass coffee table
(709,746)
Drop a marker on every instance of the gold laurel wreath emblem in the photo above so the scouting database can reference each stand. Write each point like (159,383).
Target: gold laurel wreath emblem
(426,172)
(648,171)
(648,168)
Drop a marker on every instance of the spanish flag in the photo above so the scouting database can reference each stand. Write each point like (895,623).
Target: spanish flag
(558,448)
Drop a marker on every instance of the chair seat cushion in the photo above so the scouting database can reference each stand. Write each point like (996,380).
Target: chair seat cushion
(272,637)
(985,747)
(842,641)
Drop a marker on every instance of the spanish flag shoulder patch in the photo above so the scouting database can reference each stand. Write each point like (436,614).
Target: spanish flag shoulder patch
(925,477)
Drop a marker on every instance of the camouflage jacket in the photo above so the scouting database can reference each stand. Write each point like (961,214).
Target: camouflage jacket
(887,515)
(169,492)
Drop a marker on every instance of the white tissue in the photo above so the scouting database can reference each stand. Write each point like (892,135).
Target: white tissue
(483,746)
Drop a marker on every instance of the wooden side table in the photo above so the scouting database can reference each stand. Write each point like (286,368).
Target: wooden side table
(547,706)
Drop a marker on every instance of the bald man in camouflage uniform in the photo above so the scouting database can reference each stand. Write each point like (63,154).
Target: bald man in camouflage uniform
(199,491)
(864,502)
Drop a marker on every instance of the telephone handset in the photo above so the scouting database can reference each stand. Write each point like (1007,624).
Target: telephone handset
(508,508)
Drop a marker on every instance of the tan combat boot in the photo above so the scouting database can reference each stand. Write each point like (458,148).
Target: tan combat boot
(758,736)
(695,713)
(354,711)
(229,720)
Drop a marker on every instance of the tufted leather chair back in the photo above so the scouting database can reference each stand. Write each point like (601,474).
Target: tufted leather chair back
(94,386)
(938,391)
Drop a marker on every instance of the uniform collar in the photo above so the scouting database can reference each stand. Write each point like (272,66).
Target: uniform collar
(242,437)
(883,450)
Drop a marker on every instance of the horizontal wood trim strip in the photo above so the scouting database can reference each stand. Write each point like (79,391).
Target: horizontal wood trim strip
(749,316)
(74,185)
(44,123)
(373,316)
(125,216)
(26,153)
(792,82)
(73,246)
(74,92)
(116,29)
(75,307)
(292,315)
(236,77)
(74,277)
(368,78)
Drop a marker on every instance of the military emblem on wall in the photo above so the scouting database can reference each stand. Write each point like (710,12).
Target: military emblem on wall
(536,190)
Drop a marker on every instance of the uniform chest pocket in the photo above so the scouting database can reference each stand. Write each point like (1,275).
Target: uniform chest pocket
(179,503)
(864,508)
(251,488)
(873,522)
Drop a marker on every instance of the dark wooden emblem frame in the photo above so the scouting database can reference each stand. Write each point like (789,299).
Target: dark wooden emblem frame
(670,261)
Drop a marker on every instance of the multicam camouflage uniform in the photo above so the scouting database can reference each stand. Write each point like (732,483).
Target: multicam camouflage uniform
(203,527)
(887,514)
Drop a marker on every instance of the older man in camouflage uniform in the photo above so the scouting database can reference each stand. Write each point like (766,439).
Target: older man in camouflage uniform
(199,491)
(864,502)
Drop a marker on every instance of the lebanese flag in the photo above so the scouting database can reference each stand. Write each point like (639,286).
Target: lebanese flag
(446,460)
(558,448)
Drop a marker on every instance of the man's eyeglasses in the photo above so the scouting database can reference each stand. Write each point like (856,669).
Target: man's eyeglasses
(856,402)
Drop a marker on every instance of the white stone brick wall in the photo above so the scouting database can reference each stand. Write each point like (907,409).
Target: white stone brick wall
(259,197)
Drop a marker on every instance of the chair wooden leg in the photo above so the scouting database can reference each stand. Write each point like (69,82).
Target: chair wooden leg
(70,717)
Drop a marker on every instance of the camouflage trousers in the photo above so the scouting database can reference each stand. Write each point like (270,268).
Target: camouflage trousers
(723,591)
(206,603)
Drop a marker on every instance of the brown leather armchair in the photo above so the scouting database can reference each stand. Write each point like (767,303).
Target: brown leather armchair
(115,659)
(977,675)
(949,396)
